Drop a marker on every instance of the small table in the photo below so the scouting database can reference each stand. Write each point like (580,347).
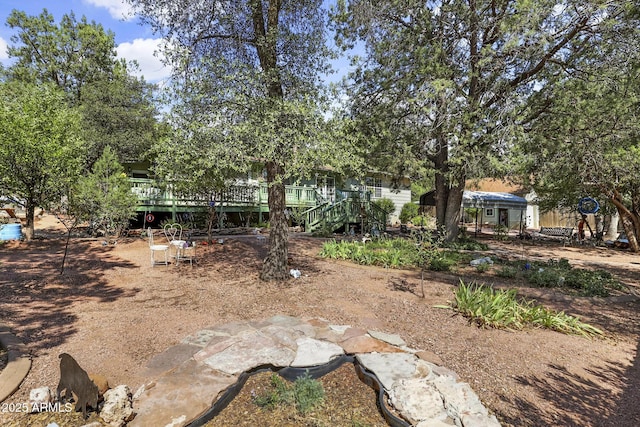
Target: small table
(174,248)
(186,253)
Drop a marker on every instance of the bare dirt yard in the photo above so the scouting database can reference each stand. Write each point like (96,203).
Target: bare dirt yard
(112,312)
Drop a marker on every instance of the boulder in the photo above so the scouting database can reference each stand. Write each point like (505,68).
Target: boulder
(117,408)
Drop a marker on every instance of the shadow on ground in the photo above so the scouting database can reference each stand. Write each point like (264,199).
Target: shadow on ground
(40,284)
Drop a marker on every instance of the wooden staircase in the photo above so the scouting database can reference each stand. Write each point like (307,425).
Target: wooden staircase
(352,208)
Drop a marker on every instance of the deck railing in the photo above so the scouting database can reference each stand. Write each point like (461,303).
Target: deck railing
(234,195)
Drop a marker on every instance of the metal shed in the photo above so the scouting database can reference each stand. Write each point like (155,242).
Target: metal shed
(496,208)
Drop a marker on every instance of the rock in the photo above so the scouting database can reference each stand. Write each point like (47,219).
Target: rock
(417,401)
(479,261)
(101,381)
(41,396)
(389,367)
(429,356)
(392,339)
(366,344)
(117,408)
(313,352)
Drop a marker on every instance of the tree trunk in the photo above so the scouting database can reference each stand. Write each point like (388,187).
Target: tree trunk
(30,210)
(630,222)
(448,195)
(275,264)
(611,233)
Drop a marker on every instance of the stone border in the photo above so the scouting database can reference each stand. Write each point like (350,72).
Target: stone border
(18,363)
(189,377)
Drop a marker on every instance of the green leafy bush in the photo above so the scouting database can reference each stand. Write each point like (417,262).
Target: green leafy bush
(420,220)
(408,211)
(386,204)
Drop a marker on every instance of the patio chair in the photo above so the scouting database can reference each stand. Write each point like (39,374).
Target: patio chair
(157,248)
(173,233)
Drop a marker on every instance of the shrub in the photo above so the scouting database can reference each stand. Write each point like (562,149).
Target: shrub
(408,211)
(421,220)
(386,204)
(483,268)
(507,271)
(305,393)
(500,232)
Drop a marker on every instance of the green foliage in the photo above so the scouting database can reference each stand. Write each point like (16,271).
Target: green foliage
(467,244)
(415,123)
(105,196)
(507,271)
(247,90)
(421,251)
(80,58)
(420,220)
(386,204)
(408,211)
(488,307)
(483,268)
(279,394)
(501,232)
(306,393)
(560,274)
(40,145)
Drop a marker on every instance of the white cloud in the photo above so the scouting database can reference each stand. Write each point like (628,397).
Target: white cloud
(118,9)
(3,49)
(143,51)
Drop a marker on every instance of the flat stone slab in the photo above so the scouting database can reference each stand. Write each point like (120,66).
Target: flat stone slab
(312,352)
(18,363)
(209,361)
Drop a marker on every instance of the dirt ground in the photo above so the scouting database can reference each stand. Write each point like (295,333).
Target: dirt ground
(112,312)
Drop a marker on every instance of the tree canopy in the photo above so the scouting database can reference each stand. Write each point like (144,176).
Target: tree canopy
(40,145)
(248,90)
(445,82)
(584,140)
(80,58)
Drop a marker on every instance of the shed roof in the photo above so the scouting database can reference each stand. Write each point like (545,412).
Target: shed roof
(486,199)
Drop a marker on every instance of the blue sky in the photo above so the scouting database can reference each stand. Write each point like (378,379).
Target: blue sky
(133,40)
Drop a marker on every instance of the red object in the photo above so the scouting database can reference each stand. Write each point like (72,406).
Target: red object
(150,218)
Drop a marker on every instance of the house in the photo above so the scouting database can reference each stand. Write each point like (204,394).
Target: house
(324,201)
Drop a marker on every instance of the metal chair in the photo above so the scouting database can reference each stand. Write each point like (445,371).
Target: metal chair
(157,248)
(173,233)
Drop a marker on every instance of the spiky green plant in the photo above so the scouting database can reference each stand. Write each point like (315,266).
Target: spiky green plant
(488,307)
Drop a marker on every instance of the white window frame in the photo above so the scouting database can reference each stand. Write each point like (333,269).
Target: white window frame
(374,186)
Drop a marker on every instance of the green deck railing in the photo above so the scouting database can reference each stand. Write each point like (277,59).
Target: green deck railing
(152,196)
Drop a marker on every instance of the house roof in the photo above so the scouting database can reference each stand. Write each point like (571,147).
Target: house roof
(486,199)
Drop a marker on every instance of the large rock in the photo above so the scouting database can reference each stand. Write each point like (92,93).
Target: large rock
(180,395)
(418,401)
(312,352)
(117,408)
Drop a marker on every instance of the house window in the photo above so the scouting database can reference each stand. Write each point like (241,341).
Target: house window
(489,212)
(374,186)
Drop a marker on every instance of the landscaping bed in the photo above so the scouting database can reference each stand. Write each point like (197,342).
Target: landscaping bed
(113,312)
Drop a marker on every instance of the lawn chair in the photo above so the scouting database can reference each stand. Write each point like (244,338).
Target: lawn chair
(157,248)
(173,232)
